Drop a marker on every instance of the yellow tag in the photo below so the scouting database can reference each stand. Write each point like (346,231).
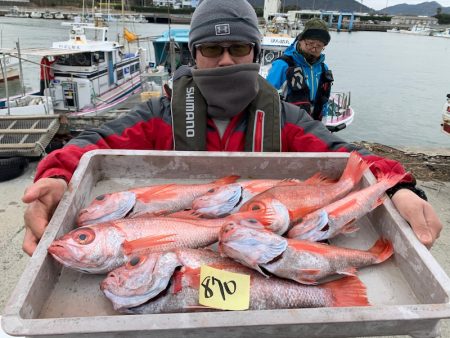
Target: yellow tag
(224,290)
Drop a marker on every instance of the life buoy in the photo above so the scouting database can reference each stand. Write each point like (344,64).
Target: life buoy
(269,57)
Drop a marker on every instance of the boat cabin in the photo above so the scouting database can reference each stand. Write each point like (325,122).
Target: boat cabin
(88,72)
(172,49)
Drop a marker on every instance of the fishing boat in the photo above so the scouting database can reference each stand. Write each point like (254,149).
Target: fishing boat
(35,15)
(9,68)
(446,116)
(443,34)
(418,30)
(272,47)
(14,12)
(393,30)
(59,16)
(171,49)
(47,15)
(90,76)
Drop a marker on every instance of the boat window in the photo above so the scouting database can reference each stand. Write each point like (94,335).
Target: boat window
(120,74)
(81,59)
(99,57)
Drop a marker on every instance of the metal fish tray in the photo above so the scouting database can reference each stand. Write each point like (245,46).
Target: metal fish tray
(409,293)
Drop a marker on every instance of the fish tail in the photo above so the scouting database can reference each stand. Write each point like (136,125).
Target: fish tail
(382,250)
(227,179)
(145,243)
(355,168)
(389,179)
(347,291)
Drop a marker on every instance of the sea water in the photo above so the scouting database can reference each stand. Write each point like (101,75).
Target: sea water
(398,82)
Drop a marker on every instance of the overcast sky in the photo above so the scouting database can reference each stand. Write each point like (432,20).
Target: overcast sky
(379,4)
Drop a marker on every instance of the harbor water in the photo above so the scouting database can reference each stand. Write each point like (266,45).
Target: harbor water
(398,82)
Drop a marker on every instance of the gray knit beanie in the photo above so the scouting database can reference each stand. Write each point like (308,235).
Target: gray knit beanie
(224,20)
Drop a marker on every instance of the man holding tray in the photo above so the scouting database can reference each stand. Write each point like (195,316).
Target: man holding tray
(221,104)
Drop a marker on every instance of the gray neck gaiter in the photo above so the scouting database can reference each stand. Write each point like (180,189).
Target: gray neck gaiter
(227,90)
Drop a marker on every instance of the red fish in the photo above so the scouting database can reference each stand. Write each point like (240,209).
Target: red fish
(305,198)
(99,248)
(151,280)
(303,261)
(155,200)
(340,216)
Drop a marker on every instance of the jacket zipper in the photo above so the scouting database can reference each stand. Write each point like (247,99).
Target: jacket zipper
(258,131)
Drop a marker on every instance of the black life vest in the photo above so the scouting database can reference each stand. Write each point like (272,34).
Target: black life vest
(299,92)
(189,115)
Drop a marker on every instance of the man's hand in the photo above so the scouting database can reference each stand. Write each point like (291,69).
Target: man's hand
(43,198)
(419,214)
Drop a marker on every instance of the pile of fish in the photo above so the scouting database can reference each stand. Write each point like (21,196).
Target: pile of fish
(153,240)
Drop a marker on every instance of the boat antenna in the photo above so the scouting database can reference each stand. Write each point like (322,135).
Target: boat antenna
(82,14)
(20,67)
(6,83)
(171,44)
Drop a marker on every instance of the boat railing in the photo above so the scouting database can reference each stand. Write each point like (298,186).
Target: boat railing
(339,104)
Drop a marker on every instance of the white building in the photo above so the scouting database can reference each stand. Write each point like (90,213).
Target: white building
(414,20)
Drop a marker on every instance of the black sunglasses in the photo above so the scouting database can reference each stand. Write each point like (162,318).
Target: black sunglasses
(214,50)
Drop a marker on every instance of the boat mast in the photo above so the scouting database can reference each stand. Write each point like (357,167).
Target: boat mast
(20,67)
(6,83)
(171,45)
(271,7)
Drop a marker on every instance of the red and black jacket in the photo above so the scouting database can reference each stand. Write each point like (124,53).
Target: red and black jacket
(149,127)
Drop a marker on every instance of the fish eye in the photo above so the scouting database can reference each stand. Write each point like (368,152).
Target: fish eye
(100,198)
(83,236)
(256,206)
(134,261)
(252,220)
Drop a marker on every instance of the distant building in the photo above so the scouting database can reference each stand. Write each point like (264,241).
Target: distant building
(10,3)
(414,20)
(175,3)
(305,14)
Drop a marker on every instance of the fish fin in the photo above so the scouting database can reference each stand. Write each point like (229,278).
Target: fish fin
(192,276)
(355,168)
(390,179)
(347,291)
(227,179)
(350,271)
(177,281)
(145,195)
(378,202)
(297,215)
(319,179)
(344,208)
(350,227)
(313,247)
(382,249)
(306,281)
(288,181)
(186,214)
(145,243)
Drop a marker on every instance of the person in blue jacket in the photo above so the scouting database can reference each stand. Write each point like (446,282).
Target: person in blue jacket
(301,73)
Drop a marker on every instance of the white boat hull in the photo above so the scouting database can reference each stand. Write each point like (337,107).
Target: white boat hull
(28,105)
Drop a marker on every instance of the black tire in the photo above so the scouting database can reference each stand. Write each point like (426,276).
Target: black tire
(12,167)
